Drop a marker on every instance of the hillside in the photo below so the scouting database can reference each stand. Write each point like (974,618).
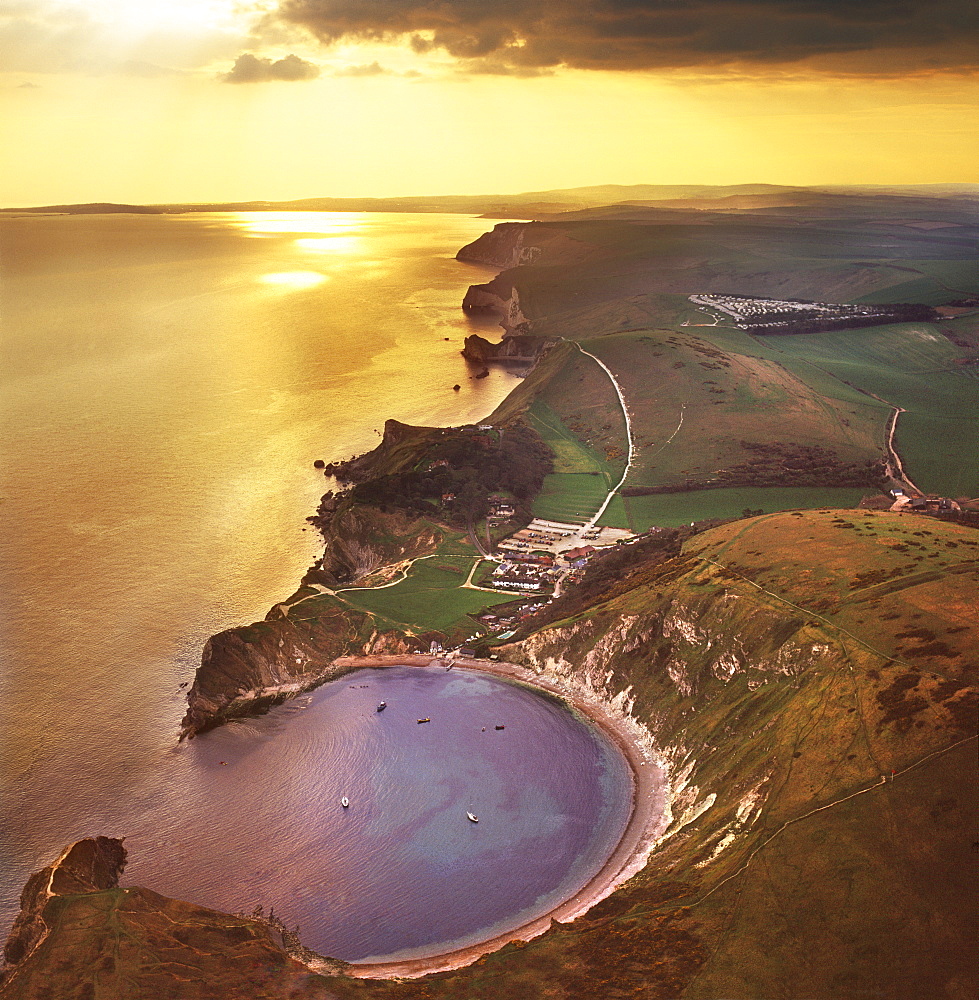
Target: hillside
(742,410)
(819,722)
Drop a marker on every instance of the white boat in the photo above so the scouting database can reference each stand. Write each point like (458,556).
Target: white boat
(472,818)
(345,802)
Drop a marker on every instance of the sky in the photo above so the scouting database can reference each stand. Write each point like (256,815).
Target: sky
(152,101)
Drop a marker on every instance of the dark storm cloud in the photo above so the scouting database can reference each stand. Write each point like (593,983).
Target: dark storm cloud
(254,69)
(648,34)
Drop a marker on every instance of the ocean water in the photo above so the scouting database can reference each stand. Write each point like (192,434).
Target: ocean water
(167,383)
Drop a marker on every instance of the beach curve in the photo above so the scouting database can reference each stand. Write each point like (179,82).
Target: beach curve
(647,820)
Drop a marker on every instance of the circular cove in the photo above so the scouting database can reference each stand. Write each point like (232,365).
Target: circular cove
(402,873)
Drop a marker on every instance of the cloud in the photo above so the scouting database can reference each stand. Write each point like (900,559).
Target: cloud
(368,69)
(70,36)
(250,68)
(657,34)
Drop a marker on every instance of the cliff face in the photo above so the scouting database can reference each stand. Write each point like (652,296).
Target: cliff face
(506,246)
(80,937)
(361,539)
(244,670)
(498,297)
(87,866)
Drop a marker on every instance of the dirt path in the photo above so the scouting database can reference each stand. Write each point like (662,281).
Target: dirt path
(895,467)
(628,430)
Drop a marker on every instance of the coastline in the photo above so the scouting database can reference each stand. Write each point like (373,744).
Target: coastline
(649,817)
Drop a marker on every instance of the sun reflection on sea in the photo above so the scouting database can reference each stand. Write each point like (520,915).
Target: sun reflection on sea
(329,244)
(345,224)
(294,279)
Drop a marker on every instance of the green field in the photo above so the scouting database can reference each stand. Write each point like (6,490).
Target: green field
(668,510)
(912,366)
(570,497)
(430,598)
(571,455)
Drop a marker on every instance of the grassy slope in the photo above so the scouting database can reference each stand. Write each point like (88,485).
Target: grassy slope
(807,876)
(775,673)
(623,292)
(724,397)
(912,366)
(671,509)
(863,898)
(430,598)
(841,259)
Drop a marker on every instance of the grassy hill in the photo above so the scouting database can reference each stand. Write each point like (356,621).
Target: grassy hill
(819,720)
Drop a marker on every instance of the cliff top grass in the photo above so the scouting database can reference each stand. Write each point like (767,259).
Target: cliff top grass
(844,258)
(903,585)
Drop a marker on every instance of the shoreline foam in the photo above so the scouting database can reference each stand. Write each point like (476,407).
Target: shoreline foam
(648,819)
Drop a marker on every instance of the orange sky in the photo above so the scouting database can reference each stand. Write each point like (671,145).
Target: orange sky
(195,100)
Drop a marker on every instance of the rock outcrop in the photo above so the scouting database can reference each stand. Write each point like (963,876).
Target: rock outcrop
(515,348)
(498,297)
(361,539)
(88,866)
(505,246)
(246,670)
(81,937)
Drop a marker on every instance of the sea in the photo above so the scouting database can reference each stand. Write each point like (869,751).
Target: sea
(167,383)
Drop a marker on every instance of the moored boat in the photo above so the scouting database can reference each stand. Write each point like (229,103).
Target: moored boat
(472,818)
(420,721)
(345,802)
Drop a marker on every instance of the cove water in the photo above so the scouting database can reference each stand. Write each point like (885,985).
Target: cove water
(402,872)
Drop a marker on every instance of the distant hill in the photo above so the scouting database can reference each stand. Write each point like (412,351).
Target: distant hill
(535,203)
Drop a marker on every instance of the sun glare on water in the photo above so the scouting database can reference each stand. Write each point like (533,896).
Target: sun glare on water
(294,279)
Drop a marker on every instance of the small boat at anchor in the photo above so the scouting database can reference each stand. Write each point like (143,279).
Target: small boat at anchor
(420,721)
(382,706)
(472,817)
(345,802)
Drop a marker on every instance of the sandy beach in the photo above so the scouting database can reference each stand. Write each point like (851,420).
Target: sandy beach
(646,822)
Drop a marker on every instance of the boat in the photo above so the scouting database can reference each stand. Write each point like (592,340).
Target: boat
(382,706)
(472,818)
(420,721)
(345,802)
(501,727)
